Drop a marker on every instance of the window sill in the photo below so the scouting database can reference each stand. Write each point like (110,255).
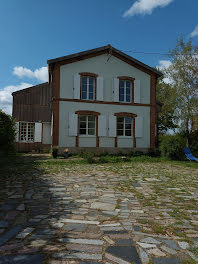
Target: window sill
(87,136)
(127,137)
(26,142)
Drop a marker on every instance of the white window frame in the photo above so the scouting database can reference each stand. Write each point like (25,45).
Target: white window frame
(26,132)
(94,87)
(124,101)
(124,128)
(87,128)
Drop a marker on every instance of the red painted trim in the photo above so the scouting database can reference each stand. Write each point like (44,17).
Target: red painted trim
(82,112)
(125,114)
(98,102)
(134,138)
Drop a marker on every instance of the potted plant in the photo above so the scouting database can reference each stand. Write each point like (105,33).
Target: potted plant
(54,152)
(66,153)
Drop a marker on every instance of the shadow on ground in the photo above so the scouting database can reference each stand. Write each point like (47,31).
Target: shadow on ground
(31,204)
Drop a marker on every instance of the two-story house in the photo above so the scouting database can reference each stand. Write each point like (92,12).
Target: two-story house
(101,99)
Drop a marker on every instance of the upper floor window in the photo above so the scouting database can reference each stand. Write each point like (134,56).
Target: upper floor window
(27,132)
(124,126)
(87,125)
(88,85)
(125,91)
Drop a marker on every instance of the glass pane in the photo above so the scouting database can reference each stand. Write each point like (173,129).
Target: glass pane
(91,118)
(127,126)
(82,131)
(91,96)
(91,88)
(128,90)
(128,133)
(121,90)
(120,126)
(84,95)
(82,118)
(128,120)
(120,132)
(84,88)
(121,83)
(121,97)
(91,131)
(120,119)
(84,80)
(91,81)
(82,124)
(91,125)
(128,98)
(128,84)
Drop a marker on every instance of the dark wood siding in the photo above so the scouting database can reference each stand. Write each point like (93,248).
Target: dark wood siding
(33,104)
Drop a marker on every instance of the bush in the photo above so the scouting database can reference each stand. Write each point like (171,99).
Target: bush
(7,133)
(172,146)
(90,157)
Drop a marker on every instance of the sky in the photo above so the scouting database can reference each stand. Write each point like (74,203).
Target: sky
(33,31)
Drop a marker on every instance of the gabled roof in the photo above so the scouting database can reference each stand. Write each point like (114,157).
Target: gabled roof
(31,87)
(106,49)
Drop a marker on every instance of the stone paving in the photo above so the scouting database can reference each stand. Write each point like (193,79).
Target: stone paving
(79,217)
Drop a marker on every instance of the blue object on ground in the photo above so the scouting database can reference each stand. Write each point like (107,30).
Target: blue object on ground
(189,155)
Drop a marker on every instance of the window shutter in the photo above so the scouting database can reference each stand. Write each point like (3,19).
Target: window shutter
(139,127)
(17,131)
(102,126)
(116,90)
(137,91)
(73,124)
(99,89)
(76,93)
(38,132)
(112,126)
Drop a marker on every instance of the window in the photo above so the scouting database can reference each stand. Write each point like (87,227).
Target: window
(87,125)
(27,132)
(87,88)
(125,91)
(124,126)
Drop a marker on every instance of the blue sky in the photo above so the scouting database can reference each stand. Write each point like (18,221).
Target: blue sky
(32,31)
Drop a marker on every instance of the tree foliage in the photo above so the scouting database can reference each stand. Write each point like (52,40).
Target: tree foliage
(7,132)
(166,94)
(183,73)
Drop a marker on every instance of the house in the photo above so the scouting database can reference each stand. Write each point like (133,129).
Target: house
(101,99)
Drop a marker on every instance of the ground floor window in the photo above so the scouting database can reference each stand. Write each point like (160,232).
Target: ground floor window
(87,125)
(27,132)
(124,126)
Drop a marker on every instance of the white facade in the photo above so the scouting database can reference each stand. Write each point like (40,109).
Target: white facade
(108,70)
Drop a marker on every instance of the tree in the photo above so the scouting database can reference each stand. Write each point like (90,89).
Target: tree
(7,132)
(183,73)
(166,94)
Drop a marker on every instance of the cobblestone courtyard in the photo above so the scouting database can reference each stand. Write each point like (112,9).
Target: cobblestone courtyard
(100,213)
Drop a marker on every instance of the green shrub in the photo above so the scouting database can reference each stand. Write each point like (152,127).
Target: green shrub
(172,146)
(7,133)
(89,157)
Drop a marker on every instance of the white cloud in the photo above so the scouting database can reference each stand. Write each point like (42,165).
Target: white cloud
(194,33)
(144,7)
(162,66)
(40,74)
(6,96)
